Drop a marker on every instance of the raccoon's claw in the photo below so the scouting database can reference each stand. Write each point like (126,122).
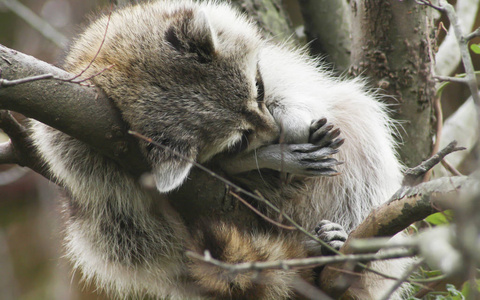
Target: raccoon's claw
(322,135)
(312,160)
(332,233)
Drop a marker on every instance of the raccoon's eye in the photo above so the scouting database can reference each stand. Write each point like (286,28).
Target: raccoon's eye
(242,144)
(260,89)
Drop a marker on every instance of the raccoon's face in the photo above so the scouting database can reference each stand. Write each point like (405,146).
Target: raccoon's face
(247,126)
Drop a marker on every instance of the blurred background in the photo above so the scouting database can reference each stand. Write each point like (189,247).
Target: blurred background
(31,263)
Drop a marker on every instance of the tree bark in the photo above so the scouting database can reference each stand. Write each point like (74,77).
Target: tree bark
(390,46)
(80,111)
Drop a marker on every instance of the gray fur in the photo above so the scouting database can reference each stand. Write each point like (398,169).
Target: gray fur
(184,75)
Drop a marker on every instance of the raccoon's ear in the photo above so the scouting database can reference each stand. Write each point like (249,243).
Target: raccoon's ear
(170,175)
(193,34)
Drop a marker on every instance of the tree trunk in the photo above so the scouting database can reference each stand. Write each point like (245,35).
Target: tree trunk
(390,47)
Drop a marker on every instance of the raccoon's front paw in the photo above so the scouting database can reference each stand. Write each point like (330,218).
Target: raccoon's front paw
(308,160)
(331,233)
(321,134)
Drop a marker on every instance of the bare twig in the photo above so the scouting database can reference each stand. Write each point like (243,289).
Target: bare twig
(395,215)
(403,279)
(451,168)
(300,263)
(7,83)
(414,176)
(437,106)
(237,188)
(84,113)
(465,54)
(460,126)
(260,214)
(36,22)
(472,35)
(451,79)
(98,51)
(448,55)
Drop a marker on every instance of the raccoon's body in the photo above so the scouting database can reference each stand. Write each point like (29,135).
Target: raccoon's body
(200,79)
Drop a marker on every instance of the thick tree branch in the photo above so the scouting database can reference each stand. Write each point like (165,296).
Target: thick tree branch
(408,205)
(80,111)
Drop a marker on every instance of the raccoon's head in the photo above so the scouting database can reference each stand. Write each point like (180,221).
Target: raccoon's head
(184,74)
(218,82)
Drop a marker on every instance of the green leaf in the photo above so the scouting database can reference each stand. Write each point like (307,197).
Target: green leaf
(466,288)
(440,218)
(475,48)
(454,293)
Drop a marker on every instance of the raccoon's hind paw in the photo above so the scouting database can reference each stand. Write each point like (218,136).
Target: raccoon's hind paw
(331,233)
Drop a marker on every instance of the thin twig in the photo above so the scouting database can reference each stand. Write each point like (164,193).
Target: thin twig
(437,106)
(300,263)
(413,175)
(99,47)
(260,214)
(401,280)
(237,188)
(451,168)
(451,79)
(472,35)
(7,83)
(465,53)
(428,3)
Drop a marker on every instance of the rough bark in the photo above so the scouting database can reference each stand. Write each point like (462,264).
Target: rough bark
(327,26)
(390,47)
(81,111)
(408,205)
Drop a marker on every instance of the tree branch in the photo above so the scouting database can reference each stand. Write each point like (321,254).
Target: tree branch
(408,205)
(415,175)
(80,111)
(298,263)
(465,54)
(448,55)
(462,126)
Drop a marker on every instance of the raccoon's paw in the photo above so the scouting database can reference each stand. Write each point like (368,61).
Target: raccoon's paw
(331,233)
(309,160)
(321,134)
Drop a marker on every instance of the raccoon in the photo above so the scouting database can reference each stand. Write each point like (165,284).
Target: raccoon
(199,78)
